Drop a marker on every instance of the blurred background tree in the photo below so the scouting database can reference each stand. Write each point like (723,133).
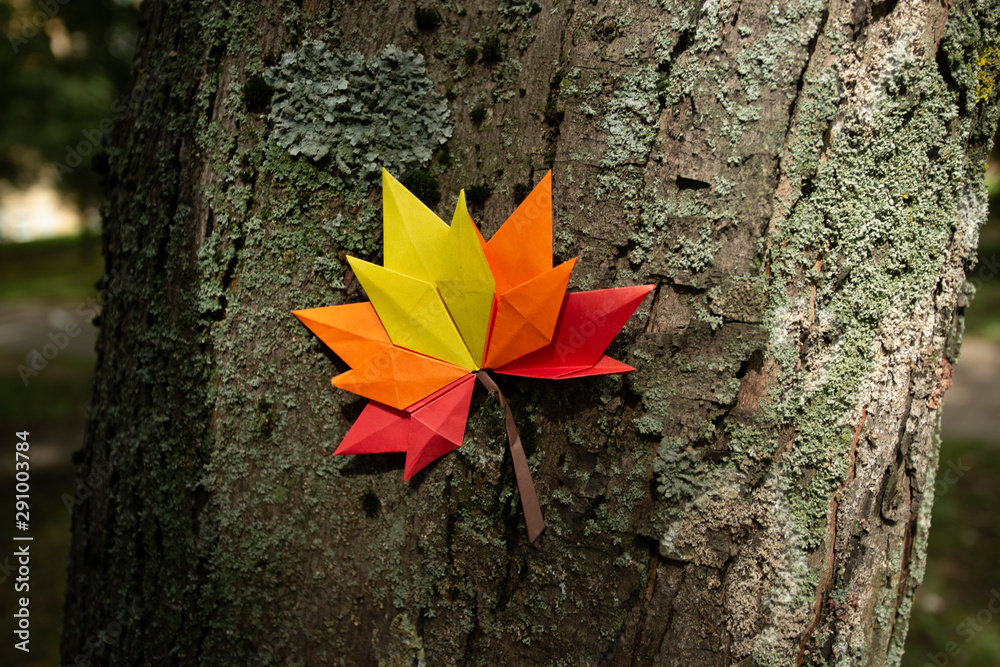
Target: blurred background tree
(63,66)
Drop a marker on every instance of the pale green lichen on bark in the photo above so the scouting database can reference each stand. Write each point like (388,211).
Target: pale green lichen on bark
(630,118)
(679,471)
(365,114)
(513,9)
(885,200)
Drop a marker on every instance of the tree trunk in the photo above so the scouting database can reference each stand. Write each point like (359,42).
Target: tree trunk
(804,183)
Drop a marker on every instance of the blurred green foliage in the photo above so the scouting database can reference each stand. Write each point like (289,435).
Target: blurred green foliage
(59,270)
(63,66)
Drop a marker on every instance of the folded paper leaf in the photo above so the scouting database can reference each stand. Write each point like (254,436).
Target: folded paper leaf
(447,302)
(438,426)
(588,323)
(465,282)
(420,245)
(425,431)
(379,429)
(353,331)
(522,247)
(525,317)
(604,366)
(381,370)
(399,377)
(413,235)
(412,313)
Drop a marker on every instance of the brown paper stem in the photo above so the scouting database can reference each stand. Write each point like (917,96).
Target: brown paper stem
(529,500)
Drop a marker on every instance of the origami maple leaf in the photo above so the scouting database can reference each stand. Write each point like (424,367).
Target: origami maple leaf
(448,304)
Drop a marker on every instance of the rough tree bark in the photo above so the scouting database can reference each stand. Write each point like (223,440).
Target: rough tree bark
(803,182)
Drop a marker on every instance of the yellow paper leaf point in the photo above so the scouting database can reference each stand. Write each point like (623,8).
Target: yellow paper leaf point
(465,282)
(414,235)
(412,313)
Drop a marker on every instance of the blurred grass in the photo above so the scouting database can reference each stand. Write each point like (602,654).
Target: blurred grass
(962,577)
(58,270)
(57,395)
